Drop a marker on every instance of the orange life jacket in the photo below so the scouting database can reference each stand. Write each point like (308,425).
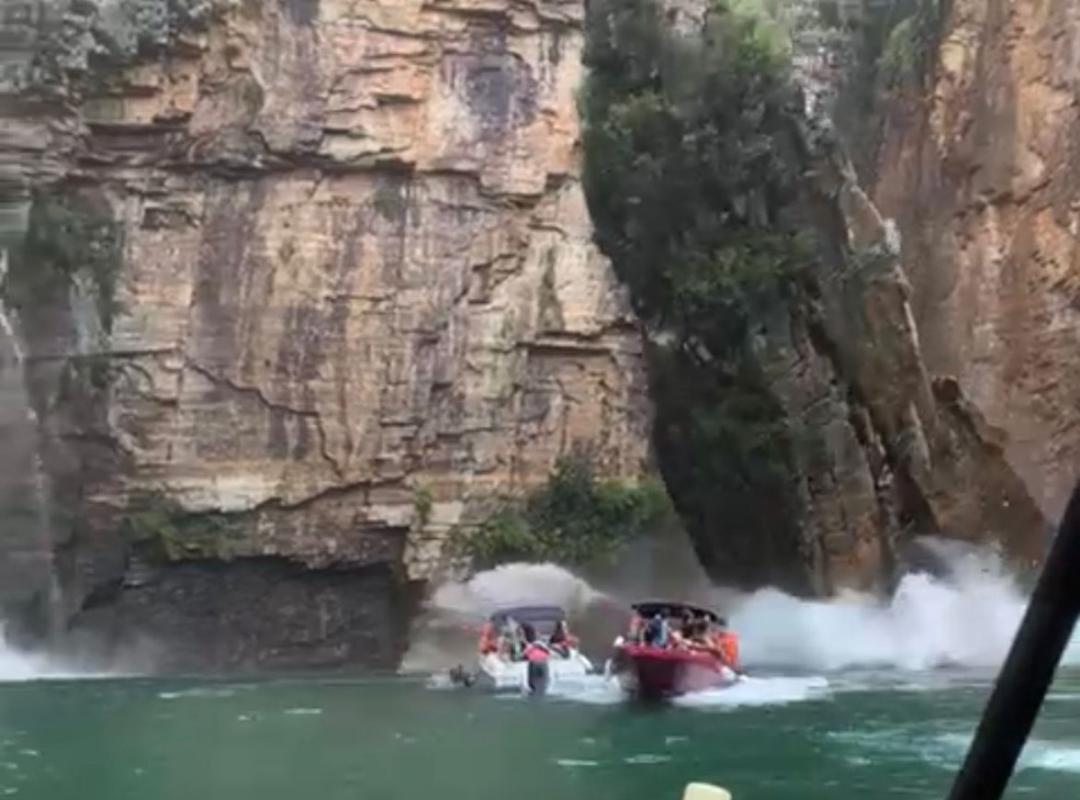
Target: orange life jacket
(728,645)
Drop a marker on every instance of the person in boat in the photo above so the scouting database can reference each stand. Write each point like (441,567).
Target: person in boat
(726,644)
(657,632)
(511,640)
(536,655)
(695,634)
(684,636)
(635,633)
(561,640)
(489,639)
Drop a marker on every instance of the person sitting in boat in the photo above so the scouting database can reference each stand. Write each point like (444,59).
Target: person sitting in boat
(635,632)
(535,650)
(489,639)
(511,645)
(688,631)
(657,632)
(561,640)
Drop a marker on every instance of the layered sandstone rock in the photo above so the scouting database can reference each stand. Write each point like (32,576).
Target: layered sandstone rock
(339,289)
(980,172)
(885,449)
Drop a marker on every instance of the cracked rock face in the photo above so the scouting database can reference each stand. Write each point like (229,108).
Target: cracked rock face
(354,266)
(981,173)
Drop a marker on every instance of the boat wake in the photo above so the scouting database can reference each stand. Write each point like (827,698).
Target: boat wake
(753,691)
(750,691)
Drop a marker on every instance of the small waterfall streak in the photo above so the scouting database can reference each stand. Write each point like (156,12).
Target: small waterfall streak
(12,664)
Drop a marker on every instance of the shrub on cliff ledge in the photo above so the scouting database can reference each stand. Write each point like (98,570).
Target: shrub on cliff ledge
(574,519)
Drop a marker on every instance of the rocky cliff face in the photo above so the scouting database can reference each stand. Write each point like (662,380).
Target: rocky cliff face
(980,170)
(839,445)
(301,284)
(294,288)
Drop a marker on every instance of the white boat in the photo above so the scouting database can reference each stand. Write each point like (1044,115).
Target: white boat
(564,666)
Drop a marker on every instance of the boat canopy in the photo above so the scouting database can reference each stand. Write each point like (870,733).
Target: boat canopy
(674,609)
(530,614)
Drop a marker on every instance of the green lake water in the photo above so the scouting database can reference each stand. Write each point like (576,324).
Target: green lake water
(854,736)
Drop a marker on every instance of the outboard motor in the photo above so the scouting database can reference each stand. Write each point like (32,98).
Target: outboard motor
(538,676)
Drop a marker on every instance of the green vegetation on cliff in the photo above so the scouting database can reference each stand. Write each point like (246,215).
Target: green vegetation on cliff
(574,519)
(173,534)
(689,174)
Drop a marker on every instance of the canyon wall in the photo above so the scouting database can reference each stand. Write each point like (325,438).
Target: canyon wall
(979,166)
(302,284)
(841,445)
(295,289)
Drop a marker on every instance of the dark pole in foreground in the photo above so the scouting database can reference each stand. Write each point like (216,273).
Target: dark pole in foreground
(1029,669)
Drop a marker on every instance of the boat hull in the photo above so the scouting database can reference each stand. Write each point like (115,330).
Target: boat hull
(499,674)
(656,672)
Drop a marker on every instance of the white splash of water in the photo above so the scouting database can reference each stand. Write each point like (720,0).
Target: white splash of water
(16,666)
(750,691)
(967,619)
(445,634)
(515,584)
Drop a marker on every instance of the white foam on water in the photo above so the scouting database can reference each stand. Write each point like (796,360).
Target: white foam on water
(303,712)
(967,619)
(751,691)
(576,762)
(197,692)
(1042,754)
(1039,754)
(947,750)
(594,690)
(646,758)
(16,666)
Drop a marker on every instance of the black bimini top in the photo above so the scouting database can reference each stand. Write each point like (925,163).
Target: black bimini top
(673,609)
(531,614)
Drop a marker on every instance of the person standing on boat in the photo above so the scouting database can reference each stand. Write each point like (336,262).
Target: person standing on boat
(536,656)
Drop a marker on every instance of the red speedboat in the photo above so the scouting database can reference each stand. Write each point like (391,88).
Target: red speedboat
(655,670)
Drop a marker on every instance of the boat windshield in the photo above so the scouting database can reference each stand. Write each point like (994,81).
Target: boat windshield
(542,618)
(673,610)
